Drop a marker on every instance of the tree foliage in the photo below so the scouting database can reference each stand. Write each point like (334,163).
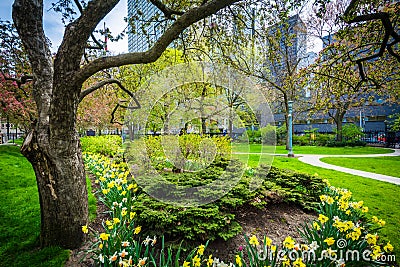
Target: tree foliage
(15,82)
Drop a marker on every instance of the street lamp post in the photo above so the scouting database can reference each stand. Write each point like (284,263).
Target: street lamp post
(290,128)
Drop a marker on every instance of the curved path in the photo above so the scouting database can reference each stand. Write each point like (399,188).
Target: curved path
(315,161)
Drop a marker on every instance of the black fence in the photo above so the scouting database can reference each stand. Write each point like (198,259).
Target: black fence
(382,138)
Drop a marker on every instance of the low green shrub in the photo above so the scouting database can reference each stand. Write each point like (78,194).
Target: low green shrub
(266,135)
(107,145)
(251,136)
(351,143)
(323,139)
(217,219)
(301,140)
(351,132)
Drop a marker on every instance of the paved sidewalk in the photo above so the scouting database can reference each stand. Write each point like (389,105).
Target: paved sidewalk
(315,161)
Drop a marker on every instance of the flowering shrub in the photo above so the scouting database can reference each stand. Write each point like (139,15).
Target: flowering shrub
(341,236)
(107,145)
(343,227)
(189,152)
(120,242)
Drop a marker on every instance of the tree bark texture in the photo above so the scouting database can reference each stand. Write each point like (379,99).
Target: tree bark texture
(62,192)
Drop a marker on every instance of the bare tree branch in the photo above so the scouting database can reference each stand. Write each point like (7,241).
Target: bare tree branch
(105,82)
(23,80)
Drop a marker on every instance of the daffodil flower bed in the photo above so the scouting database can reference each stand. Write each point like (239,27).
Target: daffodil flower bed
(341,236)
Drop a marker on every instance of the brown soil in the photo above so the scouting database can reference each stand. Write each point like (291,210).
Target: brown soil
(276,221)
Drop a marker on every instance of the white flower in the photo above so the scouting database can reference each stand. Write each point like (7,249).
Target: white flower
(101,258)
(336,218)
(314,246)
(147,241)
(340,263)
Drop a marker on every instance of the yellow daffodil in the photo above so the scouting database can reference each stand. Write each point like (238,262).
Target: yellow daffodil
(200,250)
(268,241)
(389,247)
(299,263)
(196,261)
(322,218)
(238,261)
(330,241)
(316,226)
(210,261)
(254,241)
(323,198)
(137,230)
(85,229)
(371,239)
(104,236)
(186,264)
(289,242)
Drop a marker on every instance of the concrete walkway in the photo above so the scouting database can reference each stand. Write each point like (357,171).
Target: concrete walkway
(314,160)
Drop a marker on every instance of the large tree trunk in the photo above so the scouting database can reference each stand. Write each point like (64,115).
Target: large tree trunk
(339,127)
(62,190)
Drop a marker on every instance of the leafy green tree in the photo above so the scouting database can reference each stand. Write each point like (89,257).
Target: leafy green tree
(52,145)
(356,67)
(337,87)
(267,45)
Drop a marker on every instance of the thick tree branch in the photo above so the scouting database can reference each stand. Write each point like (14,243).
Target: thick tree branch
(28,19)
(99,45)
(168,12)
(78,32)
(191,16)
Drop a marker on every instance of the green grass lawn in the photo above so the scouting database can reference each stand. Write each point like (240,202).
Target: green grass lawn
(382,165)
(381,198)
(256,148)
(20,215)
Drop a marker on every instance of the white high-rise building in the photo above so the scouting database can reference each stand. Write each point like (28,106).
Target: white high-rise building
(144,30)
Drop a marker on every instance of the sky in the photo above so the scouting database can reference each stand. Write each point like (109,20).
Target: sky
(54,29)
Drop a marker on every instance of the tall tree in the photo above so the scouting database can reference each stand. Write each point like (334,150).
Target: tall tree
(372,25)
(15,82)
(337,87)
(53,146)
(270,44)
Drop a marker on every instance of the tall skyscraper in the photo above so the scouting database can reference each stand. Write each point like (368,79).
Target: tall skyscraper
(292,49)
(144,30)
